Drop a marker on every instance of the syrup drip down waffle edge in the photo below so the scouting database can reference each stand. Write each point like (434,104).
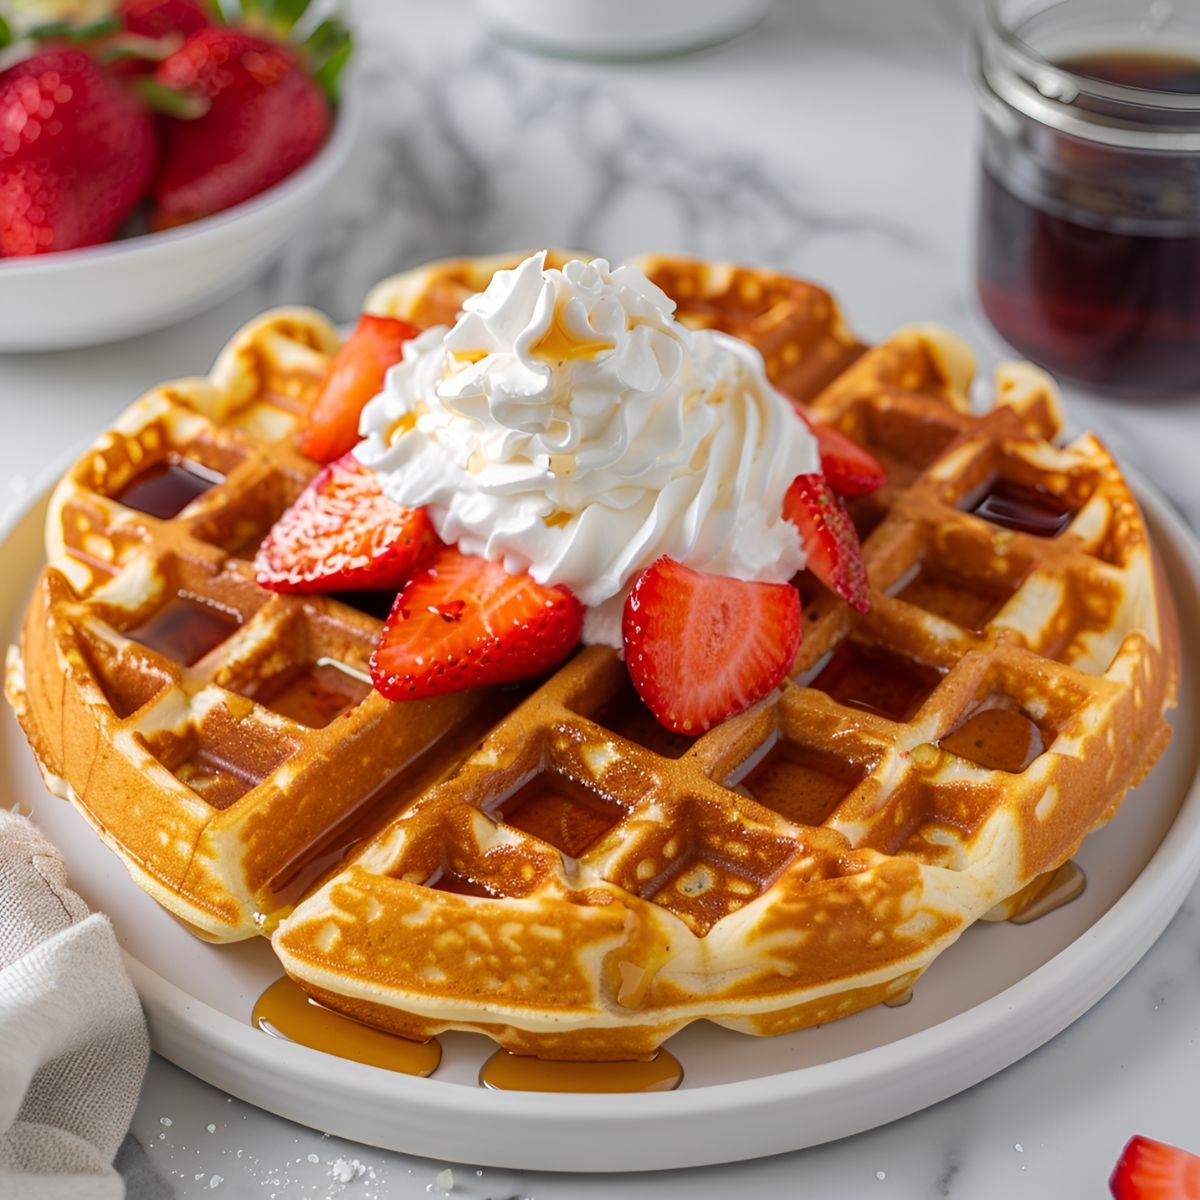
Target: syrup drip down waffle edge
(545,864)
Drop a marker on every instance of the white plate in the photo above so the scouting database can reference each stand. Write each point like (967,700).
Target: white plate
(999,993)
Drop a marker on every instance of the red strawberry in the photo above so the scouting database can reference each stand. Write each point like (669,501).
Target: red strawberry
(355,377)
(77,152)
(834,555)
(1149,1170)
(465,622)
(701,648)
(344,533)
(161,18)
(851,470)
(265,118)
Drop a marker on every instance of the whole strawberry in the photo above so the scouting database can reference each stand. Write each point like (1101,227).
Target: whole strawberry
(163,18)
(77,152)
(265,112)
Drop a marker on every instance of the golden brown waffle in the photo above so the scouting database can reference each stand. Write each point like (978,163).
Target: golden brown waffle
(585,883)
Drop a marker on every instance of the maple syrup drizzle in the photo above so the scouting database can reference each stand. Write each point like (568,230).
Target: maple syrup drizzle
(1033,510)
(287,1012)
(168,487)
(560,811)
(876,680)
(508,1072)
(799,783)
(901,1000)
(1000,739)
(1050,892)
(186,628)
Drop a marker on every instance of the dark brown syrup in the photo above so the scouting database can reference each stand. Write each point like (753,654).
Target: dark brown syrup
(876,680)
(521,1073)
(168,487)
(186,628)
(445,880)
(315,694)
(1000,739)
(1033,510)
(1079,282)
(801,784)
(560,811)
(380,806)
(286,1011)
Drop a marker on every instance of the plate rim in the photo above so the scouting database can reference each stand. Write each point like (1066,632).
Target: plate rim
(656,1130)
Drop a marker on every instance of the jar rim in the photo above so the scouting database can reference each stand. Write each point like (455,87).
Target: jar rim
(1009,70)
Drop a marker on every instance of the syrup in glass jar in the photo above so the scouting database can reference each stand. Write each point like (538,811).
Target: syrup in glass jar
(1089,223)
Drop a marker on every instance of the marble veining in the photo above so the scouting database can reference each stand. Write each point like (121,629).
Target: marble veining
(834,140)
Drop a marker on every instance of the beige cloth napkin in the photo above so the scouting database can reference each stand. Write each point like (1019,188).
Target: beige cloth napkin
(73,1045)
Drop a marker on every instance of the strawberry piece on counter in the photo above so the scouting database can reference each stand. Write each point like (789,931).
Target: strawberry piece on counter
(830,541)
(343,534)
(701,648)
(77,152)
(355,377)
(465,622)
(263,104)
(1150,1170)
(851,470)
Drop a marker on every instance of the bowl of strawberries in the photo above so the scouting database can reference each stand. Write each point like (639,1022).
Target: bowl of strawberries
(154,155)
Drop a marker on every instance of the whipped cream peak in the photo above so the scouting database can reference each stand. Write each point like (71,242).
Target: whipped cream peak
(569,426)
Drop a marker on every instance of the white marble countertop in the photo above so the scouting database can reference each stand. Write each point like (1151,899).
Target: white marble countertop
(834,140)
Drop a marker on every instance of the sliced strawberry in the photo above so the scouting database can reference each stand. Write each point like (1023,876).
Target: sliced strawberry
(344,533)
(465,622)
(355,377)
(851,470)
(830,541)
(1149,1170)
(702,648)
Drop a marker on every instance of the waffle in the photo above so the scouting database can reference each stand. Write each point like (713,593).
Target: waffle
(546,864)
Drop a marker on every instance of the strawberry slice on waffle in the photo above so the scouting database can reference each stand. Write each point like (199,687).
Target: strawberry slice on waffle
(465,622)
(343,533)
(830,541)
(355,378)
(701,648)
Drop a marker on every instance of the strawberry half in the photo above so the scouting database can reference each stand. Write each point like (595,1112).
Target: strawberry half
(355,378)
(465,622)
(830,541)
(344,533)
(1149,1170)
(702,648)
(851,470)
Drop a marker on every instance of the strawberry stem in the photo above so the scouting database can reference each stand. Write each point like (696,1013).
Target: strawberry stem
(135,46)
(171,102)
(73,32)
(328,49)
(6,35)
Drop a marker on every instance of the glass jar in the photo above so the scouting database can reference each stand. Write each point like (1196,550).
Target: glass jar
(1089,215)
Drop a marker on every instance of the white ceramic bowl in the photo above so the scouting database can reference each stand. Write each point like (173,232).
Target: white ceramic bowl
(102,293)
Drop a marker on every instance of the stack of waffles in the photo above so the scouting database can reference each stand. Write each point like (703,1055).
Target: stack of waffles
(545,863)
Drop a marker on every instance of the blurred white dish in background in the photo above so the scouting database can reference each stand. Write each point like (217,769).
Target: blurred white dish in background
(620,28)
(120,289)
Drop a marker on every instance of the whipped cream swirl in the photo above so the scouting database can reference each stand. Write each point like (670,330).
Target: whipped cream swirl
(568,426)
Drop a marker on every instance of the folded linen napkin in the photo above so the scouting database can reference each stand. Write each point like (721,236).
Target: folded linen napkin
(73,1045)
